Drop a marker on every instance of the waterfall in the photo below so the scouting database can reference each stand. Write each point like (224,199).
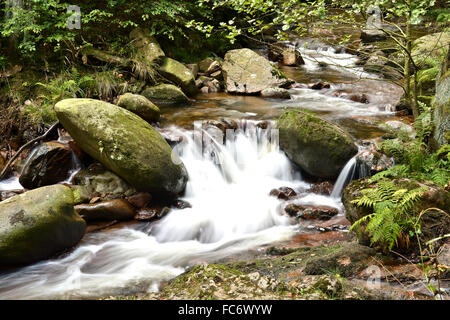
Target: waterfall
(346,175)
(231,212)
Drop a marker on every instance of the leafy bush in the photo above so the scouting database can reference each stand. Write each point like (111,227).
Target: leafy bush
(413,157)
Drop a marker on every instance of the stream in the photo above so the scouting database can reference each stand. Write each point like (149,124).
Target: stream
(232,211)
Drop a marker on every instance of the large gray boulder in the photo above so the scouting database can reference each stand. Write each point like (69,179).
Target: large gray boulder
(247,72)
(319,147)
(37,225)
(124,143)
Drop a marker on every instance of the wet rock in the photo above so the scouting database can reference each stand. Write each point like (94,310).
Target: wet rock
(95,226)
(181,204)
(79,153)
(140,106)
(153,213)
(47,164)
(276,93)
(110,210)
(140,200)
(175,71)
(370,162)
(359,97)
(323,188)
(263,125)
(297,85)
(283,193)
(319,147)
(311,212)
(246,72)
(165,94)
(368,36)
(100,182)
(38,224)
(285,54)
(320,86)
(434,223)
(123,143)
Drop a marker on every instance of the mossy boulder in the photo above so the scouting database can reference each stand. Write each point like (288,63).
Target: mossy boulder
(246,72)
(433,223)
(319,147)
(141,106)
(178,73)
(37,225)
(146,48)
(124,143)
(429,47)
(165,94)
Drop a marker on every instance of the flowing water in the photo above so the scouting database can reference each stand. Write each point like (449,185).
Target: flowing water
(231,212)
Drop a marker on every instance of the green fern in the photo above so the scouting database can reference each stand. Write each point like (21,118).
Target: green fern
(391,214)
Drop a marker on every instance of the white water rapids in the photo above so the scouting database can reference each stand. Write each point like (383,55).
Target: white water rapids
(231,212)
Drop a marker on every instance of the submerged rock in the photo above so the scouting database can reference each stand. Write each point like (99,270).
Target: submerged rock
(319,147)
(150,214)
(284,193)
(311,212)
(47,164)
(141,106)
(110,210)
(140,200)
(247,72)
(38,224)
(276,93)
(123,143)
(323,188)
(165,94)
(176,71)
